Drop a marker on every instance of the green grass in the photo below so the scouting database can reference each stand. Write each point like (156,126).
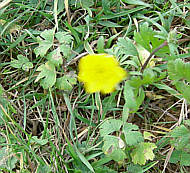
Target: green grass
(52,125)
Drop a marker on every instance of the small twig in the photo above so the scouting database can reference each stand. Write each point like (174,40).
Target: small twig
(153,52)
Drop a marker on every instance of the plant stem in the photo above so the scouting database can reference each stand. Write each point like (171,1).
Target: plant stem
(152,53)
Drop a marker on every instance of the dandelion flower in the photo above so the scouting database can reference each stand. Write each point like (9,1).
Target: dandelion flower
(100,73)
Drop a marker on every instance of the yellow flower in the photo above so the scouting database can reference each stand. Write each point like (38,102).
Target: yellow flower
(100,73)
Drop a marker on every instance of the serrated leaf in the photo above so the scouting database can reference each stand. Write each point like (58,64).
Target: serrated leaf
(21,62)
(180,137)
(147,38)
(112,148)
(127,47)
(180,156)
(55,57)
(65,49)
(64,37)
(45,43)
(110,126)
(184,89)
(48,35)
(132,136)
(66,82)
(47,75)
(143,152)
(179,70)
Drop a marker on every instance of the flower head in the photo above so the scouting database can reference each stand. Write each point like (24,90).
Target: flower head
(100,73)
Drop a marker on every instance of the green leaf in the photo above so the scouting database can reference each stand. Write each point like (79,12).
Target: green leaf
(184,89)
(21,62)
(132,136)
(44,168)
(55,57)
(65,49)
(87,3)
(180,137)
(110,104)
(104,169)
(180,156)
(143,152)
(134,169)
(1,90)
(118,155)
(110,126)
(84,160)
(127,47)
(147,38)
(122,13)
(66,82)
(179,70)
(64,37)
(125,113)
(148,135)
(129,96)
(45,43)
(100,45)
(35,139)
(149,76)
(133,96)
(137,2)
(109,24)
(113,149)
(7,160)
(168,89)
(47,75)
(110,143)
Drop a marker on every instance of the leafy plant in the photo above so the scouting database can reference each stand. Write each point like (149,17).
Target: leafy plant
(116,147)
(55,57)
(180,137)
(179,73)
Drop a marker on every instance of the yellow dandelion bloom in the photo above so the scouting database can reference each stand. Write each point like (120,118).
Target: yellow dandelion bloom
(100,73)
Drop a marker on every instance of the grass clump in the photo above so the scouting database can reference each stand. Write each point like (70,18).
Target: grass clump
(48,123)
